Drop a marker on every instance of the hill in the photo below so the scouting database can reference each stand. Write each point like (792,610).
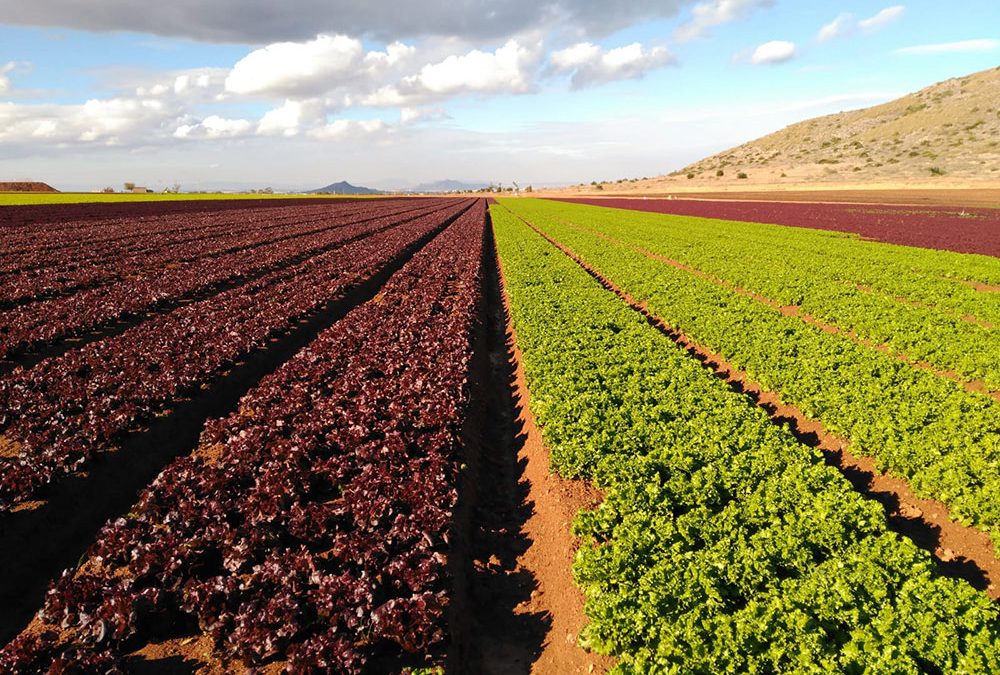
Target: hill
(944,136)
(26,186)
(344,188)
(951,128)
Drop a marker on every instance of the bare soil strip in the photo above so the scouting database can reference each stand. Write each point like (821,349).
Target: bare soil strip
(975,386)
(527,610)
(958,551)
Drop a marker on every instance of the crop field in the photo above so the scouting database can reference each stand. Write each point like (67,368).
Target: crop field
(965,230)
(29,198)
(301,436)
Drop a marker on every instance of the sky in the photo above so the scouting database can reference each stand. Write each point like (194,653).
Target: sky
(236,94)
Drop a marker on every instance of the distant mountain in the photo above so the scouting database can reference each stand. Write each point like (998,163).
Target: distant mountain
(449,186)
(343,188)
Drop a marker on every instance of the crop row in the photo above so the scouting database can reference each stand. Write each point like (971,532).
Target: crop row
(896,289)
(313,524)
(937,227)
(131,231)
(68,408)
(816,283)
(943,439)
(48,272)
(723,544)
(25,327)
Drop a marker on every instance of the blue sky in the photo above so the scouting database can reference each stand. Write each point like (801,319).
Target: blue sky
(245,93)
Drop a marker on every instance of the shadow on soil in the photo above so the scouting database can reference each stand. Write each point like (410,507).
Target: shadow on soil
(502,639)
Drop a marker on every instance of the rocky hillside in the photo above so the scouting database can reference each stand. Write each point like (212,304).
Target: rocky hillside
(949,129)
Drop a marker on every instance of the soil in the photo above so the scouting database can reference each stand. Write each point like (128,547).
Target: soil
(527,611)
(958,551)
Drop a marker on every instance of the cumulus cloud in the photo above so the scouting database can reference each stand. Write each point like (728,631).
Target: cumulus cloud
(952,47)
(775,51)
(290,68)
(214,126)
(507,69)
(708,15)
(313,67)
(882,19)
(591,65)
(341,129)
(112,121)
(846,24)
(263,21)
(510,69)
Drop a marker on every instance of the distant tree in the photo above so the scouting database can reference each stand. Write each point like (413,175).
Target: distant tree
(129,187)
(741,175)
(599,187)
(528,189)
(108,189)
(720,172)
(690,175)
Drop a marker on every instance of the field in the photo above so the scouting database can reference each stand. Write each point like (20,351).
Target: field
(26,198)
(426,435)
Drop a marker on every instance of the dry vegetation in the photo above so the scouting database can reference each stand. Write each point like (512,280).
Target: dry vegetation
(945,135)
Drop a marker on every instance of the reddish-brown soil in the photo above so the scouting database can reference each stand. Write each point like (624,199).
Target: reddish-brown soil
(950,228)
(26,186)
(958,551)
(527,611)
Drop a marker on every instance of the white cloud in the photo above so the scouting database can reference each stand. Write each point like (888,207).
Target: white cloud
(707,15)
(839,27)
(882,19)
(342,129)
(952,47)
(285,120)
(297,68)
(592,65)
(506,69)
(510,69)
(845,24)
(214,126)
(775,51)
(112,121)
(4,78)
(408,115)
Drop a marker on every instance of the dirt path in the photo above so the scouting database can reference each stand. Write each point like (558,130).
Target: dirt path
(528,612)
(958,551)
